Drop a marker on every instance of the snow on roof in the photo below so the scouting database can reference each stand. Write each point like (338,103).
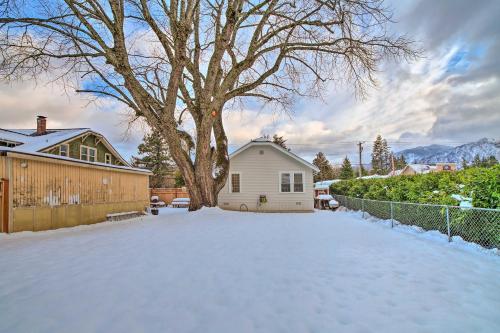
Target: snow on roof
(265,141)
(325,184)
(324,197)
(16,150)
(373,176)
(34,143)
(421,168)
(27,142)
(395,172)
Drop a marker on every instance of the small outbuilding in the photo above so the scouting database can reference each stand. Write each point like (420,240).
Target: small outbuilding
(263,176)
(54,178)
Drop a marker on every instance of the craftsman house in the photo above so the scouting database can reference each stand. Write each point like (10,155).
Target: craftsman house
(265,177)
(52,178)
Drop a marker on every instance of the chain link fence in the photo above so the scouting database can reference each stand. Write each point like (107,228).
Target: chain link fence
(478,225)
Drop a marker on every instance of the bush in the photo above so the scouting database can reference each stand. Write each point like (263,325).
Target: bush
(475,225)
(481,184)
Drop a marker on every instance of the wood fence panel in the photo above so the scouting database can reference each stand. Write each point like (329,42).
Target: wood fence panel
(168,194)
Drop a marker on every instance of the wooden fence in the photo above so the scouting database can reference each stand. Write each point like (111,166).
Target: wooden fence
(168,194)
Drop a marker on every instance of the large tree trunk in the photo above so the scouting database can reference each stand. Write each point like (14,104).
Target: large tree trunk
(207,175)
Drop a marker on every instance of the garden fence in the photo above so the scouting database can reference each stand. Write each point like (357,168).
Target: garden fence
(478,225)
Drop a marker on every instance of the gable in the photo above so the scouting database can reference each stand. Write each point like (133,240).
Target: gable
(91,140)
(266,159)
(277,150)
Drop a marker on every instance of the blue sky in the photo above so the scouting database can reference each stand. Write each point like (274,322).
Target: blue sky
(450,96)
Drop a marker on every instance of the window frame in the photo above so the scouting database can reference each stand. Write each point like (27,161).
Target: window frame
(67,149)
(86,152)
(231,181)
(292,181)
(95,154)
(106,155)
(303,181)
(88,149)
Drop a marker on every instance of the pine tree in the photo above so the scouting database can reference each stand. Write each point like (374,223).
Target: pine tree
(346,172)
(386,158)
(400,162)
(492,161)
(381,156)
(280,141)
(324,166)
(476,162)
(464,163)
(377,155)
(154,156)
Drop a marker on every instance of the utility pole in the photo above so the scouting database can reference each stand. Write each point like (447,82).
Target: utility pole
(360,149)
(392,165)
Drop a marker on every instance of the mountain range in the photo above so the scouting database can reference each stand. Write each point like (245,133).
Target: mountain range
(438,153)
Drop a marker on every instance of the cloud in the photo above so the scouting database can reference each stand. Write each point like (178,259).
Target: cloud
(22,102)
(450,96)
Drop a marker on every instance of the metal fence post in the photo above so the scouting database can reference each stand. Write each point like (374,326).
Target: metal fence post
(392,216)
(363,207)
(448,222)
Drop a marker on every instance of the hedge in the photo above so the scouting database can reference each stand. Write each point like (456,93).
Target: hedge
(480,184)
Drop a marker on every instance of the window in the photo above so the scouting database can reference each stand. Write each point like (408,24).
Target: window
(84,153)
(88,153)
(235,183)
(107,158)
(285,182)
(64,150)
(291,182)
(298,182)
(92,154)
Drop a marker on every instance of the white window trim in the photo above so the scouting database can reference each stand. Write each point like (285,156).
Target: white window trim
(292,181)
(95,154)
(110,158)
(231,182)
(67,149)
(88,153)
(87,149)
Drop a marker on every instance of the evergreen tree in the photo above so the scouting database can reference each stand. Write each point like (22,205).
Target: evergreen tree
(464,163)
(492,161)
(154,156)
(476,162)
(400,162)
(381,156)
(346,171)
(386,158)
(377,155)
(325,168)
(280,141)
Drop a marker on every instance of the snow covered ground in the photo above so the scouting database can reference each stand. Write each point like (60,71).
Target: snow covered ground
(216,271)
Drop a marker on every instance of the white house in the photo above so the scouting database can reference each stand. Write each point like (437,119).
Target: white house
(263,176)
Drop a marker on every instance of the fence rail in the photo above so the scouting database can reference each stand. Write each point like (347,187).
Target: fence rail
(478,225)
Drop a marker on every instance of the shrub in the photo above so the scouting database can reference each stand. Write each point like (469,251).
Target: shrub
(481,184)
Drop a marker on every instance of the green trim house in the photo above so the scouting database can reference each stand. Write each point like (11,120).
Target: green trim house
(75,143)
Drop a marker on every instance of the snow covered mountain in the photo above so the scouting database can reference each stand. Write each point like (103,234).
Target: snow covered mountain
(438,153)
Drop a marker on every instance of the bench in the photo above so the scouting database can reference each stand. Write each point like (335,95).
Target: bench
(123,216)
(181,202)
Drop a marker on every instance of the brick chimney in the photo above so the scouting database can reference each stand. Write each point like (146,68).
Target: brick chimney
(41,125)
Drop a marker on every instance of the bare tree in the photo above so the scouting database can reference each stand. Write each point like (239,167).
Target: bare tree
(177,63)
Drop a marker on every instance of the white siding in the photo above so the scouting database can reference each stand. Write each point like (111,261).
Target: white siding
(259,175)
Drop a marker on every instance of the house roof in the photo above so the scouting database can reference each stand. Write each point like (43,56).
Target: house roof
(420,168)
(325,184)
(5,151)
(269,143)
(28,142)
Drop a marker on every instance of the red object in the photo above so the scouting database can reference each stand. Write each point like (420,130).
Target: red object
(41,125)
